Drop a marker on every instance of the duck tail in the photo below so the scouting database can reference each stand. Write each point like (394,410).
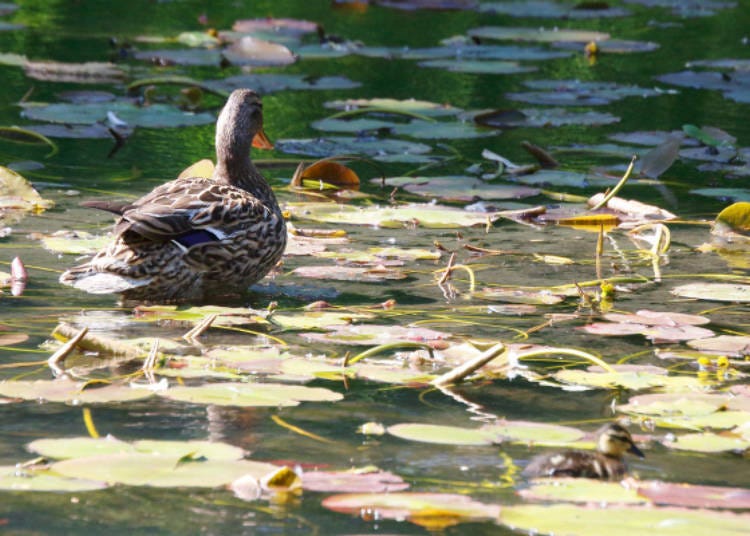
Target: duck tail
(85,278)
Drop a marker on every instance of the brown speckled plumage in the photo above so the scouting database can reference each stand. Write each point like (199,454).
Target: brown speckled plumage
(193,239)
(606,463)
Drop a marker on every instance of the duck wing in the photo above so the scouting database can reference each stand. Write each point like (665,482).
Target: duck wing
(190,212)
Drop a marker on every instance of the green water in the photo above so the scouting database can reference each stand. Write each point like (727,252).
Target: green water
(80,31)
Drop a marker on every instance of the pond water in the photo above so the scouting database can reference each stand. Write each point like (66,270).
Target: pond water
(300,346)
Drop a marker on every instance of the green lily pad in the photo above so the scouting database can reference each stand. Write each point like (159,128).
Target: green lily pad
(63,390)
(424,215)
(551,10)
(579,93)
(479,66)
(79,447)
(188,56)
(161,470)
(351,125)
(460,188)
(369,146)
(735,217)
(421,107)
(674,404)
(391,374)
(441,130)
(574,520)
(265,83)
(628,379)
(74,242)
(14,478)
(470,51)
(441,434)
(542,35)
(540,117)
(708,442)
(380,254)
(376,274)
(536,433)
(250,394)
(317,319)
(724,292)
(154,116)
(583,490)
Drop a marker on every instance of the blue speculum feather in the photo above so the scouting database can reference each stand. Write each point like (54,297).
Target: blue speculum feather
(193,238)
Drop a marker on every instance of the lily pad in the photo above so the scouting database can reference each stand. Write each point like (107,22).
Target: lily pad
(250,394)
(725,194)
(250,50)
(371,334)
(582,490)
(479,66)
(709,442)
(542,35)
(578,93)
(154,116)
(161,470)
(353,481)
(535,433)
(421,107)
(470,51)
(74,242)
(265,83)
(14,478)
(626,377)
(63,390)
(553,10)
(375,274)
(369,146)
(729,345)
(432,510)
(695,496)
(574,520)
(460,188)
(724,292)
(541,117)
(16,194)
(432,130)
(188,56)
(441,434)
(423,215)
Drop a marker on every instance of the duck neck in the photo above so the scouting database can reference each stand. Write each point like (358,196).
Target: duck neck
(234,167)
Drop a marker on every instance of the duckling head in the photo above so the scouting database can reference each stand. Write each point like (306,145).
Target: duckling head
(615,440)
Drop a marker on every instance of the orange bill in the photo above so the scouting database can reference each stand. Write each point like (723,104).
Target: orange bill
(261,141)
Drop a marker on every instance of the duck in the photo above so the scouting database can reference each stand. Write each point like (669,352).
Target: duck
(195,238)
(606,463)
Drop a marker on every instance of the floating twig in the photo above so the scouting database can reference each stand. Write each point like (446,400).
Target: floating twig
(58,358)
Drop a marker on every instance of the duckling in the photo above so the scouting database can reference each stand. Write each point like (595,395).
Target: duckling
(195,238)
(606,463)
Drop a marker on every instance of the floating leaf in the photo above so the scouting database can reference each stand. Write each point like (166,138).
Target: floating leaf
(432,510)
(553,10)
(374,147)
(509,33)
(376,274)
(188,56)
(590,520)
(14,478)
(583,490)
(17,194)
(270,82)
(441,434)
(730,345)
(626,377)
(160,470)
(725,292)
(541,117)
(695,496)
(326,172)
(708,442)
(423,215)
(460,188)
(80,73)
(725,194)
(674,404)
(250,394)
(250,50)
(579,93)
(353,481)
(74,242)
(479,66)
(62,390)
(409,106)
(433,130)
(154,116)
(370,334)
(535,433)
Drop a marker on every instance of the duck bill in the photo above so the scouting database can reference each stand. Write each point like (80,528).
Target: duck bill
(635,450)
(261,141)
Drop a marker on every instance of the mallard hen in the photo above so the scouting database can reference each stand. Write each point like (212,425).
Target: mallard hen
(606,463)
(195,238)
